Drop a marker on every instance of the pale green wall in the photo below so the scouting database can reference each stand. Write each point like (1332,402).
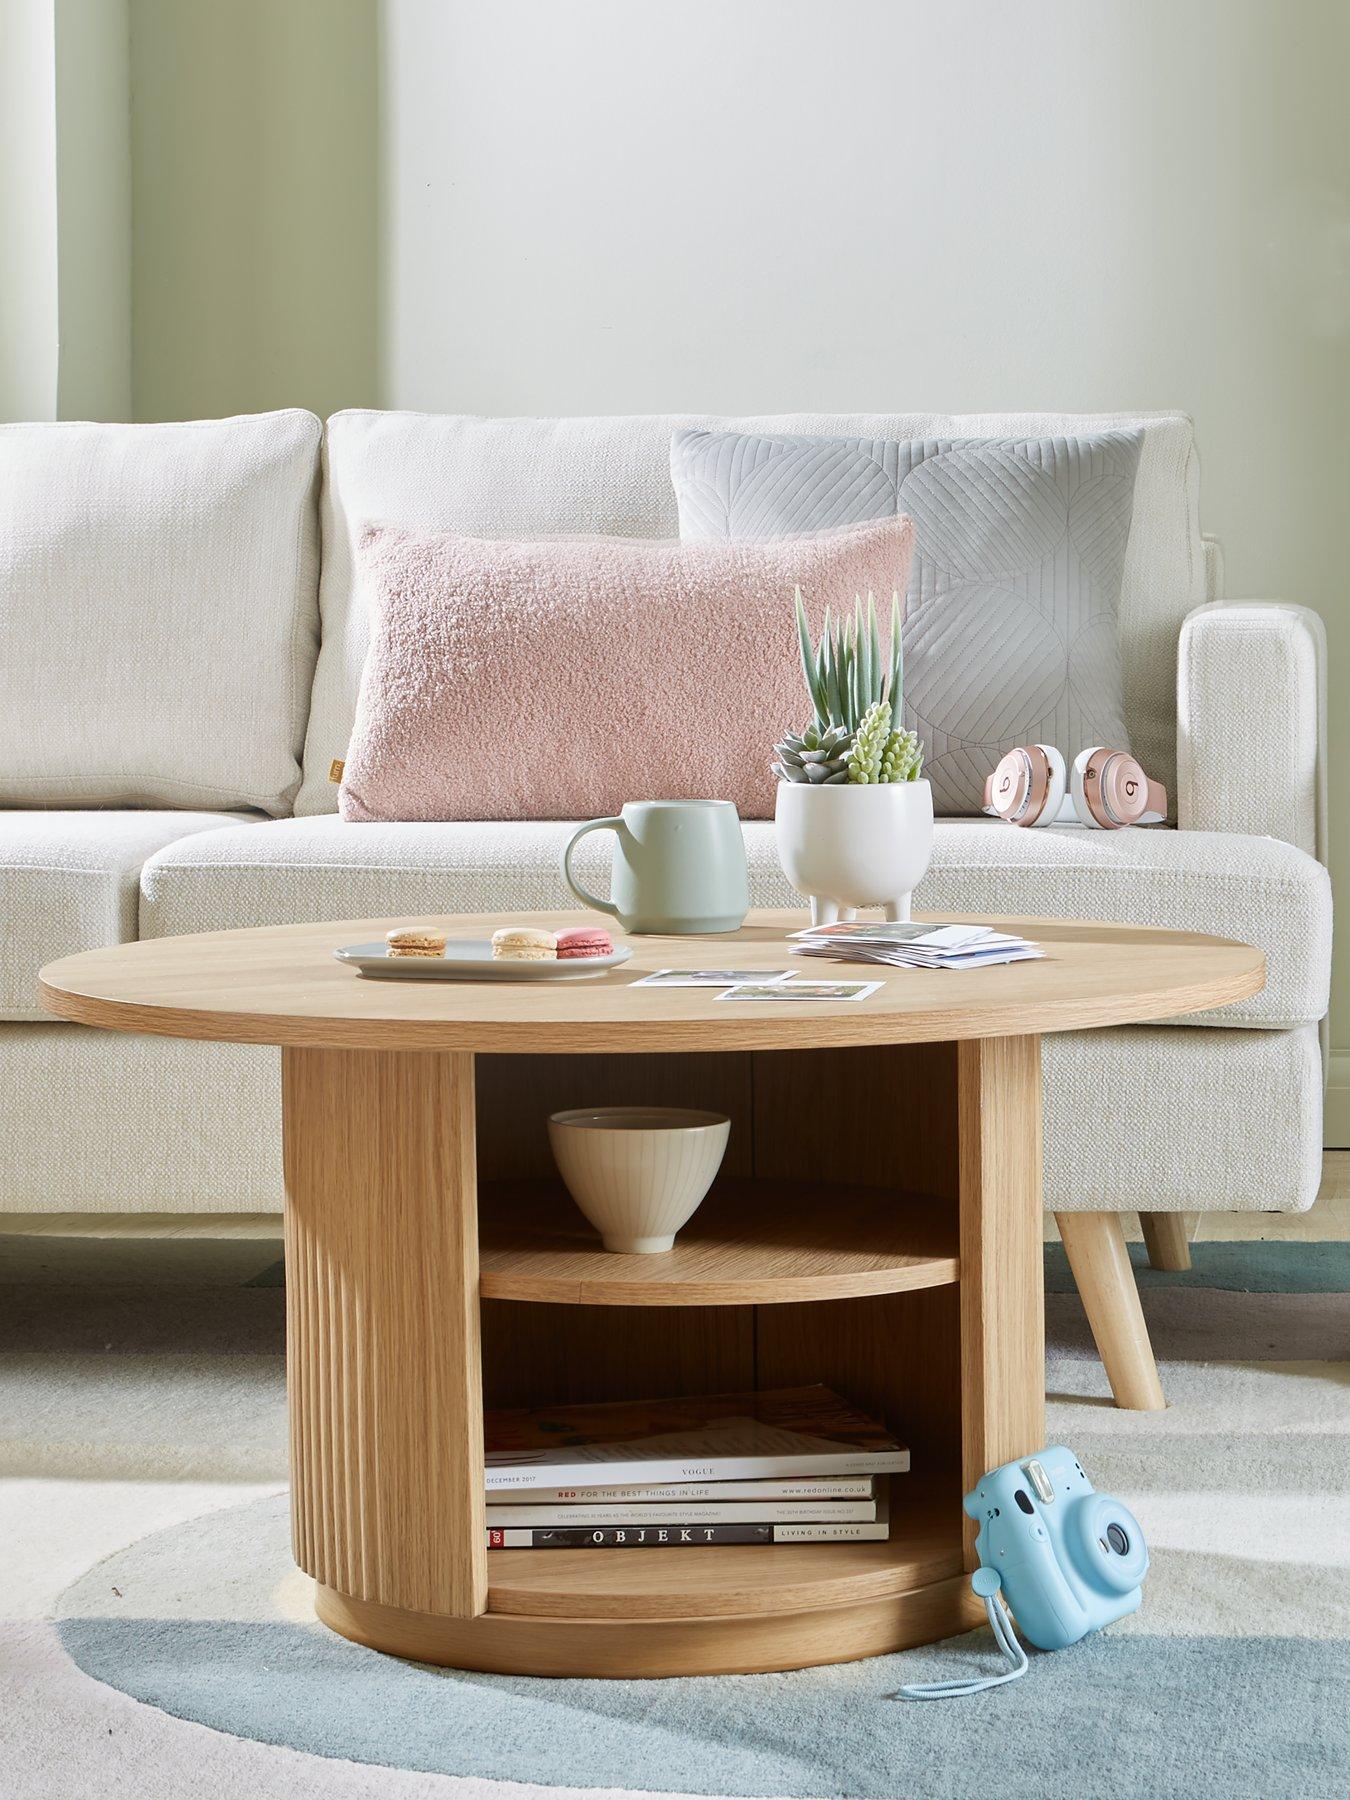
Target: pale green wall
(28,329)
(255,156)
(93,183)
(65,210)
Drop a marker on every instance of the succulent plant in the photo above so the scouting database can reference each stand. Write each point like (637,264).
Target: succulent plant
(902,759)
(815,756)
(869,743)
(855,735)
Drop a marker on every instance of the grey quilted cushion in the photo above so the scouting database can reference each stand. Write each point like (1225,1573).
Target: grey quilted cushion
(1010,619)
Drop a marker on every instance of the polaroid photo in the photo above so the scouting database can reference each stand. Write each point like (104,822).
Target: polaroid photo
(802,990)
(712,978)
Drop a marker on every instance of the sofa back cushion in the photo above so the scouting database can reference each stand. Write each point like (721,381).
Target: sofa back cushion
(560,678)
(158,611)
(1011,619)
(535,477)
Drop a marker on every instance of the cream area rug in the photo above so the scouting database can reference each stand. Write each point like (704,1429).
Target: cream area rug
(157,1640)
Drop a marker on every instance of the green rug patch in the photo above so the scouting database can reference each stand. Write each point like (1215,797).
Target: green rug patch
(1245,1267)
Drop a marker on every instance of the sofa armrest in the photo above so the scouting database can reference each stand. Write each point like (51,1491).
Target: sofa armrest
(1251,722)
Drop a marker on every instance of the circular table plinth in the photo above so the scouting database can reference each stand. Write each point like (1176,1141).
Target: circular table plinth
(740,1644)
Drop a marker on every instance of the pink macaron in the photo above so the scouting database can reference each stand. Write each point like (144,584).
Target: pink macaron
(584,940)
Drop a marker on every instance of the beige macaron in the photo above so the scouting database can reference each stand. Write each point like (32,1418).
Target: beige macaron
(415,940)
(522,943)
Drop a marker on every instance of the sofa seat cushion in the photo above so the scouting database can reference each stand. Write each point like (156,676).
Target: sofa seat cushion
(71,881)
(1200,1121)
(1257,890)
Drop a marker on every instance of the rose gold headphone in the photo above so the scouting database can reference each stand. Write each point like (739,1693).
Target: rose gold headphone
(1106,789)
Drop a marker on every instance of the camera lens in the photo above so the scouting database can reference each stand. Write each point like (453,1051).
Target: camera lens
(1118,1539)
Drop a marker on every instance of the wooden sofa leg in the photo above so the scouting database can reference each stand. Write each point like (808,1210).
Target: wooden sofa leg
(1165,1236)
(1095,1244)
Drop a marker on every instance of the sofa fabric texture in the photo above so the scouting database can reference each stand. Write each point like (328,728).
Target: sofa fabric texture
(158,612)
(557,679)
(95,1120)
(1253,889)
(1182,1121)
(107,1121)
(1011,614)
(543,477)
(70,881)
(1251,722)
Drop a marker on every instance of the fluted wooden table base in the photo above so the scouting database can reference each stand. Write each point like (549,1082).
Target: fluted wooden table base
(385,1333)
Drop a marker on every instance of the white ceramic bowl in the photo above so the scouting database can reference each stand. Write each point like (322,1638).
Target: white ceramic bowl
(638,1172)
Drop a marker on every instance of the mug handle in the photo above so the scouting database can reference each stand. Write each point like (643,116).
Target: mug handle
(573,884)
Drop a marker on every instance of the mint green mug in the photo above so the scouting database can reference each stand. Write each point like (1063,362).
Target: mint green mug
(679,867)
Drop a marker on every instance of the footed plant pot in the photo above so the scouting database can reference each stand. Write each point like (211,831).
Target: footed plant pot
(852,846)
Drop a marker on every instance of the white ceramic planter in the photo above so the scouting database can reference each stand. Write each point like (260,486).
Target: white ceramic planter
(851,846)
(638,1172)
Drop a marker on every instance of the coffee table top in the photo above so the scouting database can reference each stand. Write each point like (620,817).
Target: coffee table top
(281,985)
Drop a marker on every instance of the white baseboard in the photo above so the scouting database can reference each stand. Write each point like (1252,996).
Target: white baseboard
(1336,1124)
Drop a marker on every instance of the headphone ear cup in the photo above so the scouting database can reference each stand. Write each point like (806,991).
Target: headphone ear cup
(1027,786)
(1083,802)
(1110,789)
(1056,786)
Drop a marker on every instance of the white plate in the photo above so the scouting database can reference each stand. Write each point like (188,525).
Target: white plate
(471,959)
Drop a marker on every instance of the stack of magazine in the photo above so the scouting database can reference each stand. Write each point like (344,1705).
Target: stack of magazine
(790,1466)
(927,946)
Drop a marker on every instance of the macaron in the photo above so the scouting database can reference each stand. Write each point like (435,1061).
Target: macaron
(584,940)
(415,940)
(522,943)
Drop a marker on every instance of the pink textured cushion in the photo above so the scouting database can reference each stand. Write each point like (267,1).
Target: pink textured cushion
(557,679)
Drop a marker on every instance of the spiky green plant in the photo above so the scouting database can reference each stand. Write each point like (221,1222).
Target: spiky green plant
(848,680)
(845,673)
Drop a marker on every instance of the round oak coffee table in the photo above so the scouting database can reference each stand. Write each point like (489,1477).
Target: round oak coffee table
(877,1227)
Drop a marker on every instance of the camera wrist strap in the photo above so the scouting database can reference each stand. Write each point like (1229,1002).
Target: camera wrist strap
(986,1584)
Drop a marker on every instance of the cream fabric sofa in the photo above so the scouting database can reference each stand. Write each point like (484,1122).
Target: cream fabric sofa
(1225,703)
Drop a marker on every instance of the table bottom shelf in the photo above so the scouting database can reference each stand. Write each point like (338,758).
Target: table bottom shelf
(723,1609)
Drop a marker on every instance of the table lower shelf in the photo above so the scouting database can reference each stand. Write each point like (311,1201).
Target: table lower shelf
(718,1609)
(720,1580)
(765,1242)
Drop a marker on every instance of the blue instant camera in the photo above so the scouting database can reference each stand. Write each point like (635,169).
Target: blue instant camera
(1069,1560)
